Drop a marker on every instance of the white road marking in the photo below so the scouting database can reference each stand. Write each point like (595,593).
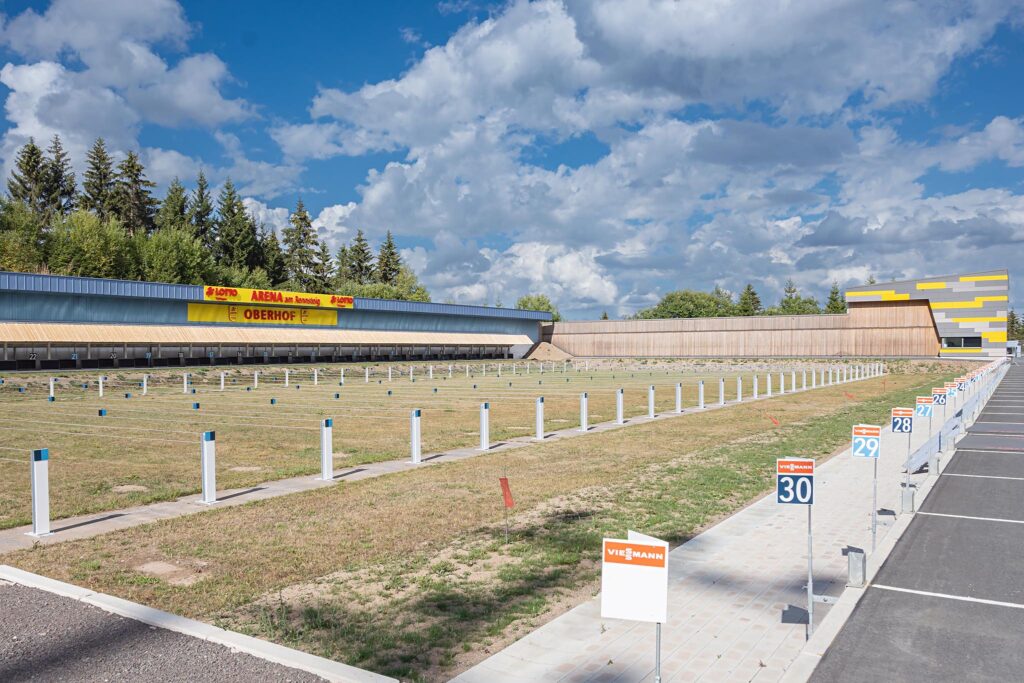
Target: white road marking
(980,476)
(983,450)
(962,598)
(980,519)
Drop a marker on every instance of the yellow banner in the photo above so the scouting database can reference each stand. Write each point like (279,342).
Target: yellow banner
(259,315)
(241,295)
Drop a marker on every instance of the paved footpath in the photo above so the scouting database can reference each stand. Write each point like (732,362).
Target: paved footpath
(727,590)
(948,604)
(87,526)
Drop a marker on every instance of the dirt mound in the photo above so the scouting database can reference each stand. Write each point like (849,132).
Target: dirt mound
(545,351)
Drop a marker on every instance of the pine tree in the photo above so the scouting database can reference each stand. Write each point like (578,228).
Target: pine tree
(200,213)
(300,245)
(61,190)
(871,280)
(98,183)
(360,260)
(237,242)
(174,208)
(1013,325)
(133,203)
(836,303)
(341,265)
(273,258)
(749,302)
(389,262)
(604,315)
(323,269)
(27,183)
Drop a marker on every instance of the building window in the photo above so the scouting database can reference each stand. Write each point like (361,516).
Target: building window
(961,342)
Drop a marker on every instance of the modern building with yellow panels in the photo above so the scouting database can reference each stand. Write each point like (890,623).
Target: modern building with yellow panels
(969,311)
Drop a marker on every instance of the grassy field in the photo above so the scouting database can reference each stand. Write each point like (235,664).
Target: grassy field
(409,574)
(146,448)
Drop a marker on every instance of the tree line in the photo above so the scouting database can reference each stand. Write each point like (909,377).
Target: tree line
(113,227)
(689,303)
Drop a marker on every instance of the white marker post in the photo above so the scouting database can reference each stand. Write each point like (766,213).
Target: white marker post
(286,371)
(803,386)
(792,380)
(145,384)
(341,378)
(755,389)
(184,383)
(739,389)
(485,426)
(700,394)
(415,445)
(619,417)
(679,397)
(782,383)
(768,392)
(583,412)
(540,418)
(721,391)
(430,372)
(208,463)
(40,478)
(327,450)
(410,373)
(467,370)
(101,386)
(366,375)
(316,377)
(52,380)
(449,372)
(255,379)
(650,402)
(222,381)
(867,443)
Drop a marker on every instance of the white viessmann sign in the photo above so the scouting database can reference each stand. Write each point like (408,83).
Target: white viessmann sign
(634,579)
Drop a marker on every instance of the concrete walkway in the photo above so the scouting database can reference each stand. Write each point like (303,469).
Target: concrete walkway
(728,588)
(87,526)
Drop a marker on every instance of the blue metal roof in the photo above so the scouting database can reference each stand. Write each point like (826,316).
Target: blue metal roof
(62,284)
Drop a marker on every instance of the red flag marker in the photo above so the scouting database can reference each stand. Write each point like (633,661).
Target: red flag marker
(506,492)
(774,421)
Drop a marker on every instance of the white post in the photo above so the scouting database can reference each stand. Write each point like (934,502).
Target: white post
(40,478)
(768,389)
(389,373)
(513,368)
(755,387)
(449,372)
(52,380)
(410,373)
(650,401)
(414,436)
(721,391)
(467,370)
(700,394)
(739,389)
(255,379)
(814,378)
(341,378)
(286,371)
(540,418)
(316,377)
(366,375)
(583,412)
(101,386)
(679,397)
(208,460)
(792,380)
(782,382)
(430,372)
(619,417)
(803,386)
(145,384)
(485,426)
(222,381)
(498,365)
(327,450)
(184,383)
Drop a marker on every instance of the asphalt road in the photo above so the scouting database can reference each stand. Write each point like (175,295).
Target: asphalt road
(46,637)
(948,604)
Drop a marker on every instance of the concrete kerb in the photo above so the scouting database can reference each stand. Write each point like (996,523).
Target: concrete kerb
(237,642)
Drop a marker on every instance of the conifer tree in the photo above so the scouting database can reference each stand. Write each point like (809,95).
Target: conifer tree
(360,260)
(200,213)
(300,247)
(27,183)
(98,183)
(342,265)
(273,258)
(604,315)
(749,302)
(174,208)
(836,303)
(61,190)
(389,262)
(133,202)
(237,242)
(323,269)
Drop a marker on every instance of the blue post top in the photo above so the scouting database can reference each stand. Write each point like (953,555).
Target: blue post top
(195,406)
(102,412)
(127,395)
(209,436)
(273,401)
(329,422)
(416,413)
(389,392)
(337,396)
(40,454)
(487,406)
(435,390)
(51,399)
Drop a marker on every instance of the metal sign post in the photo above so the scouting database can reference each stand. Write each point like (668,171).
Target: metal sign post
(794,485)
(903,423)
(867,443)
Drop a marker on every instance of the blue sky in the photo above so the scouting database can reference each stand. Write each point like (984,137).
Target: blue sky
(601,151)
